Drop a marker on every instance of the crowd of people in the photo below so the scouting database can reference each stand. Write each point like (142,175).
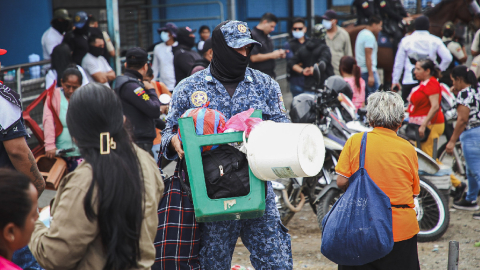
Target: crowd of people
(104,215)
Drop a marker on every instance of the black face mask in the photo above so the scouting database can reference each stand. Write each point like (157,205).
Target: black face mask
(187,41)
(82,31)
(61,26)
(96,51)
(227,65)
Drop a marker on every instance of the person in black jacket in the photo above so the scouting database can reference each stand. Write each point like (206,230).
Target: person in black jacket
(183,55)
(141,105)
(297,80)
(394,19)
(207,55)
(365,10)
(314,51)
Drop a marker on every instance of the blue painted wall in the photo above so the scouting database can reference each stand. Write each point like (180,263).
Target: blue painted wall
(23,23)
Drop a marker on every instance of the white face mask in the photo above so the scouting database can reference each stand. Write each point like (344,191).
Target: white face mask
(298,34)
(164,36)
(327,24)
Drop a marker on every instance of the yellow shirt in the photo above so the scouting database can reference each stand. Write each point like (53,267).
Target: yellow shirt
(392,164)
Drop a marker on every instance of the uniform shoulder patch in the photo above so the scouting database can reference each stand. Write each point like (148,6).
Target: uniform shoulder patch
(383,4)
(365,4)
(139,91)
(281,104)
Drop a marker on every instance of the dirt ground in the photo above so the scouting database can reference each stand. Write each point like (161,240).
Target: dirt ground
(306,241)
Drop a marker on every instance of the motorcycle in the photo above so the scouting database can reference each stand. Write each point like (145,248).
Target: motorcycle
(329,111)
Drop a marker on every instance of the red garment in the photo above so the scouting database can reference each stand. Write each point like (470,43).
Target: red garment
(8,265)
(420,103)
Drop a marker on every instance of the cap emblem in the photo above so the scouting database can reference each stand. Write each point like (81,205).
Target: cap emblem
(77,18)
(242,28)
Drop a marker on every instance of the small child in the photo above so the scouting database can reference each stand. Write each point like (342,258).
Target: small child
(351,74)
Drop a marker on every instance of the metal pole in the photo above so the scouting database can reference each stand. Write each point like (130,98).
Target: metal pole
(312,14)
(232,10)
(113,30)
(453,248)
(18,73)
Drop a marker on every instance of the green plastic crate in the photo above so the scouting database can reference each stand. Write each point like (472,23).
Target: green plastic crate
(206,209)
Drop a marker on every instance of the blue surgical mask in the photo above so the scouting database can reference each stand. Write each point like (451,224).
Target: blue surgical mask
(327,24)
(164,36)
(298,34)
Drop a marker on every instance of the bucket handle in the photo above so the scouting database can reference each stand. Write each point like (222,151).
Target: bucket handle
(244,148)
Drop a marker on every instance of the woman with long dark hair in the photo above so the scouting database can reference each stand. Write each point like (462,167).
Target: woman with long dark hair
(61,60)
(18,212)
(465,87)
(352,75)
(105,212)
(424,104)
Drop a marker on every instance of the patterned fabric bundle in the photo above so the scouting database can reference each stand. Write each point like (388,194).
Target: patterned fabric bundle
(207,121)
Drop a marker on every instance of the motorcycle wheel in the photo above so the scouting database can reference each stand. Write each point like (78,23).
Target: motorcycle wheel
(285,213)
(448,159)
(433,215)
(325,204)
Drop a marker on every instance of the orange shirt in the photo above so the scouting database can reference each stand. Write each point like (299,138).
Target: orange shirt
(392,164)
(160,88)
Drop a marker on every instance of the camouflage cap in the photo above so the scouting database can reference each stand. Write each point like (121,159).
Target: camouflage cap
(237,34)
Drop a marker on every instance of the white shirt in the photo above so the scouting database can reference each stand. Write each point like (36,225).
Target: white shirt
(92,65)
(421,43)
(52,76)
(50,39)
(163,64)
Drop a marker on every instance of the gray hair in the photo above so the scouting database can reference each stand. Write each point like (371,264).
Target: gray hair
(385,109)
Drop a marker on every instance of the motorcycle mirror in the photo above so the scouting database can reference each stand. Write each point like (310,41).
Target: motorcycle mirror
(317,74)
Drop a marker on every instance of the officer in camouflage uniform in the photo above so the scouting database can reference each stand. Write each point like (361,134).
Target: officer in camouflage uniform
(231,87)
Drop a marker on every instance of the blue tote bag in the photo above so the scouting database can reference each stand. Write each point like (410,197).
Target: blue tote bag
(358,228)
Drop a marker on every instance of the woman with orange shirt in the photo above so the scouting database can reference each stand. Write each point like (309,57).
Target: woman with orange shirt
(424,104)
(392,164)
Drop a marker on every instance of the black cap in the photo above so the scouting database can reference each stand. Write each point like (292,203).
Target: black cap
(169,27)
(330,15)
(185,31)
(136,56)
(206,46)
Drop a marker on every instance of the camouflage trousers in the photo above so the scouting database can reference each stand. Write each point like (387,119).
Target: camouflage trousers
(266,238)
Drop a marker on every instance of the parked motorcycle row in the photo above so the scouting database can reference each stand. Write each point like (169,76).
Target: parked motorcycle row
(332,110)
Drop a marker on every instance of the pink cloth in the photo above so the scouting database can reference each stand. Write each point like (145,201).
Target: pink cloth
(48,121)
(8,265)
(358,96)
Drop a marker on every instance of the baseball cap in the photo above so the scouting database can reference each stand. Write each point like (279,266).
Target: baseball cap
(206,46)
(2,51)
(136,56)
(80,19)
(185,31)
(237,34)
(61,14)
(448,29)
(169,27)
(330,15)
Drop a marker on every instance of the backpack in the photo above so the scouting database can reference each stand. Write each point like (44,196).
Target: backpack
(358,228)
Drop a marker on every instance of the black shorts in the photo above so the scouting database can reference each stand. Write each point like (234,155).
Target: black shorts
(404,255)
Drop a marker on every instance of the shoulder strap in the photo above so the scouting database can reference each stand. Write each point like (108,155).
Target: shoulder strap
(363,148)
(121,81)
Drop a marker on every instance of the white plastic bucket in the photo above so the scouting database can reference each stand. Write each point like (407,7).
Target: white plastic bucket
(284,150)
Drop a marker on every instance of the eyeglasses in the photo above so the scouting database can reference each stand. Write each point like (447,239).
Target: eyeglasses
(298,29)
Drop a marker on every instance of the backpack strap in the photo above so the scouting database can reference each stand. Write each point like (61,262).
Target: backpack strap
(363,148)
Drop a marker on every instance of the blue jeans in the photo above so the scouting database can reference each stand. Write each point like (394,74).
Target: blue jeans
(471,151)
(370,90)
(296,89)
